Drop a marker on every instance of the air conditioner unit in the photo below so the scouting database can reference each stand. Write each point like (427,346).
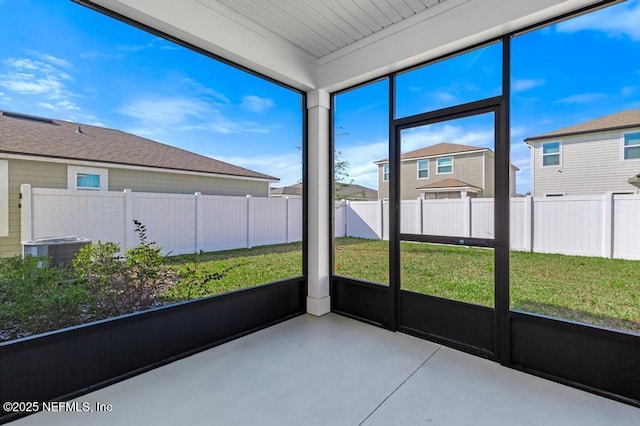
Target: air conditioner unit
(61,250)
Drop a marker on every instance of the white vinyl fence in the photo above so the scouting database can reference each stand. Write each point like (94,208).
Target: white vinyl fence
(606,225)
(178,223)
(603,225)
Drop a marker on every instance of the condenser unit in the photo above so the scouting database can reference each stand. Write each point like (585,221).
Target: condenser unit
(61,250)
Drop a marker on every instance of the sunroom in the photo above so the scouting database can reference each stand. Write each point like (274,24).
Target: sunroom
(469,310)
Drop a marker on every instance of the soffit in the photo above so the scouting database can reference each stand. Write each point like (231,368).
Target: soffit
(331,44)
(320,27)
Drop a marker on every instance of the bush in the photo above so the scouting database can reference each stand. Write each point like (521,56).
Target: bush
(121,285)
(37,297)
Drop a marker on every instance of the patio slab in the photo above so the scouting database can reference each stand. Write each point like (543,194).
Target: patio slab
(336,371)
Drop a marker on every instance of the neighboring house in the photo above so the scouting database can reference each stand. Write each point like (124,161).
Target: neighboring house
(594,157)
(59,154)
(343,191)
(444,170)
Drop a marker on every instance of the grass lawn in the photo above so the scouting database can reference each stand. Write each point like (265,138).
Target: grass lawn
(235,269)
(586,289)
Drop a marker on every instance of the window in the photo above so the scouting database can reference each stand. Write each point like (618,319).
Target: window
(385,173)
(445,165)
(87,178)
(423,169)
(632,146)
(551,154)
(87,181)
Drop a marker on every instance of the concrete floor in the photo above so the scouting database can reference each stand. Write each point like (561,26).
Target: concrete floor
(336,371)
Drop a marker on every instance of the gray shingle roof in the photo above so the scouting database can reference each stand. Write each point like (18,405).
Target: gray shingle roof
(25,135)
(442,148)
(345,190)
(619,120)
(448,183)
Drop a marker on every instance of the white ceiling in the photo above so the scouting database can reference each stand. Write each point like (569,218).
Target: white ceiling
(320,27)
(332,44)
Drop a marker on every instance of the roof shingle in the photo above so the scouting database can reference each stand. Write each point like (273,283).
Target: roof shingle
(619,120)
(25,135)
(442,148)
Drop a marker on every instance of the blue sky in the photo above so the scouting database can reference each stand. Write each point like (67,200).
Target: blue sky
(562,75)
(66,62)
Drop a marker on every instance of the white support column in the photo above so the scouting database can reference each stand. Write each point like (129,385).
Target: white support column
(318,238)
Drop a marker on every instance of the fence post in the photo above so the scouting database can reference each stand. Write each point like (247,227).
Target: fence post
(418,223)
(26,213)
(347,208)
(198,218)
(287,221)
(528,223)
(380,223)
(468,219)
(249,230)
(607,225)
(128,218)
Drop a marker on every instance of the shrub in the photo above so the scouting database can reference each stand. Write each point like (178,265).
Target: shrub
(122,285)
(37,297)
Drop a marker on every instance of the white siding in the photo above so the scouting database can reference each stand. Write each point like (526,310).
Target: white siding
(590,164)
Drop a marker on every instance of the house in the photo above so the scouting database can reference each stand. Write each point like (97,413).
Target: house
(593,157)
(343,191)
(59,154)
(445,170)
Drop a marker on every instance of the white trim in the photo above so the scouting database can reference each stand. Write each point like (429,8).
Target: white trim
(388,172)
(4,198)
(559,154)
(72,177)
(532,178)
(88,163)
(418,170)
(622,146)
(438,166)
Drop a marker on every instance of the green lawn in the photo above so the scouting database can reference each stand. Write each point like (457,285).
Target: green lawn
(587,289)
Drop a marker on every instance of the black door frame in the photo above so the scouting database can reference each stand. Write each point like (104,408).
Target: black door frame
(465,313)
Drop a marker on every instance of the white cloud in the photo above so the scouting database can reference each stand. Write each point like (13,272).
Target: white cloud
(628,90)
(616,21)
(164,111)
(256,103)
(287,167)
(185,114)
(445,97)
(581,98)
(522,84)
(41,77)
